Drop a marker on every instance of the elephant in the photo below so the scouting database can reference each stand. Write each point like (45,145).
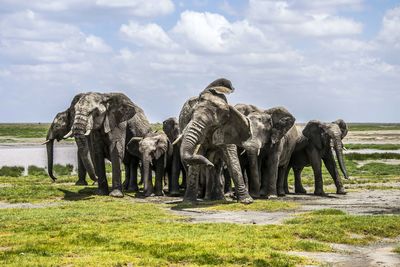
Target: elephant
(103,117)
(60,126)
(212,128)
(316,144)
(265,155)
(153,149)
(174,164)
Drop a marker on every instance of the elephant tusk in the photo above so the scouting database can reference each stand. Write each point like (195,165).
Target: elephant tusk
(196,150)
(244,151)
(88,132)
(68,135)
(344,148)
(258,152)
(45,142)
(177,139)
(136,138)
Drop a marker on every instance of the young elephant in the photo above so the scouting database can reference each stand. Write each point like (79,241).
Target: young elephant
(174,165)
(153,150)
(317,143)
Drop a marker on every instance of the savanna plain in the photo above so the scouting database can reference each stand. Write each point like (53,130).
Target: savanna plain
(45,223)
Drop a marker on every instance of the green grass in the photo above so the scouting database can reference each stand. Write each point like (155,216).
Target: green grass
(258,205)
(36,171)
(373,146)
(373,126)
(24,130)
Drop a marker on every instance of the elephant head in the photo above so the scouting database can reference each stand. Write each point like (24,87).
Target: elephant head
(60,126)
(282,121)
(212,120)
(171,128)
(103,112)
(326,135)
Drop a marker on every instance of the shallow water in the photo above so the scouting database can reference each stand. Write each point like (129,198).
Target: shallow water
(25,155)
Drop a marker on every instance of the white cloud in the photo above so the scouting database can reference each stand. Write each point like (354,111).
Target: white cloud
(213,33)
(390,32)
(288,17)
(348,45)
(141,8)
(146,35)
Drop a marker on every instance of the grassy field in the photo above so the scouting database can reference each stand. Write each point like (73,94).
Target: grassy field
(373,126)
(73,226)
(373,146)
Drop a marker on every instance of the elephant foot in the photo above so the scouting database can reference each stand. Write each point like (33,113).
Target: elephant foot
(246,200)
(148,193)
(341,191)
(300,190)
(281,193)
(159,193)
(81,182)
(132,189)
(320,193)
(174,193)
(103,192)
(116,193)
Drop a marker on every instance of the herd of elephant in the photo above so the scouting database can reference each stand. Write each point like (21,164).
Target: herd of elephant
(209,146)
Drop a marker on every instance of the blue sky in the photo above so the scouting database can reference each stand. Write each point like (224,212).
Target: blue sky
(321,59)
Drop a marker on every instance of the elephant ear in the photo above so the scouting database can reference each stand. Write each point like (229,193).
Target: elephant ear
(282,121)
(119,109)
(343,127)
(161,146)
(235,130)
(314,131)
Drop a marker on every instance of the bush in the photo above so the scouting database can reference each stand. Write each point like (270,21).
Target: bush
(63,170)
(14,171)
(36,171)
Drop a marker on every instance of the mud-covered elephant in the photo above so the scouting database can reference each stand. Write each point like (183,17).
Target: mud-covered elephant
(103,117)
(265,155)
(60,126)
(174,164)
(153,149)
(315,145)
(212,128)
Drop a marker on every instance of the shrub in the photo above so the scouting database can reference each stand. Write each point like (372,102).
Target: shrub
(14,171)
(36,171)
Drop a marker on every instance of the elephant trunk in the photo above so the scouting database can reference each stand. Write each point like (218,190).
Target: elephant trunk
(146,176)
(191,138)
(84,153)
(338,146)
(79,129)
(50,156)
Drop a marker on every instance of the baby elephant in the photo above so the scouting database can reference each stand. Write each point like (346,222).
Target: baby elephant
(153,149)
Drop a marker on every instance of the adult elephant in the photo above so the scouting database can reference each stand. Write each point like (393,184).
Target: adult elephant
(60,126)
(174,164)
(316,145)
(211,123)
(268,128)
(153,149)
(102,117)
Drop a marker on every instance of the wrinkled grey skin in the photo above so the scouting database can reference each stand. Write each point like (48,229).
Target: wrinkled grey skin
(174,164)
(103,118)
(316,143)
(153,150)
(138,126)
(217,127)
(267,153)
(60,126)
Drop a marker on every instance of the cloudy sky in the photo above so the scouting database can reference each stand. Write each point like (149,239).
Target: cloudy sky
(321,59)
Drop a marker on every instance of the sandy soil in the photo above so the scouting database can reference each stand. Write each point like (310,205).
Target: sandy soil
(373,137)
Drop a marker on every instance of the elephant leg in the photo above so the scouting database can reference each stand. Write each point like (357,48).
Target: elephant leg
(232,161)
(133,166)
(192,183)
(281,180)
(173,186)
(183,184)
(228,181)
(158,188)
(253,175)
(215,184)
(298,186)
(127,176)
(315,160)
(270,174)
(116,173)
(285,181)
(330,164)
(81,173)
